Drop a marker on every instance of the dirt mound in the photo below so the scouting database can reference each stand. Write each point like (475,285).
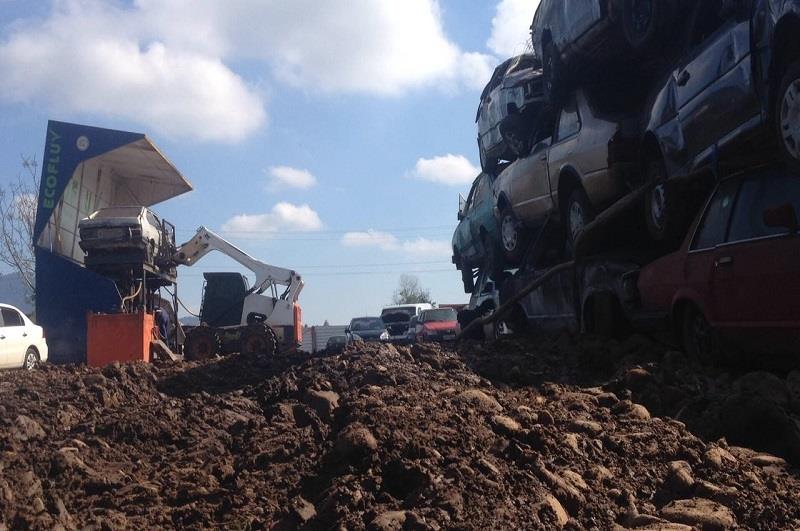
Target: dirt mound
(512,435)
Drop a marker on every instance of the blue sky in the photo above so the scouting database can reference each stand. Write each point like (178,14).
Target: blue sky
(329,137)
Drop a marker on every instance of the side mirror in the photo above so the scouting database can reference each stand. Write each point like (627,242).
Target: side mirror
(782,216)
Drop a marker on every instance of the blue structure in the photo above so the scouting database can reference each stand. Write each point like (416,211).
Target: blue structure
(84,169)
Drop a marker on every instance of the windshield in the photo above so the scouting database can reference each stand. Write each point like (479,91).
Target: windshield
(366,323)
(118,212)
(442,314)
(408,310)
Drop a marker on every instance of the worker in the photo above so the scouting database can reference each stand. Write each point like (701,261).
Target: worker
(162,322)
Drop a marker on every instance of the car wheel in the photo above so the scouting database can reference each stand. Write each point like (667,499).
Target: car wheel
(787,116)
(659,203)
(31,359)
(551,71)
(640,19)
(699,337)
(579,214)
(512,236)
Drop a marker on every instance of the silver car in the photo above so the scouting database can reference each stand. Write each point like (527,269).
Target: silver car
(131,233)
(588,163)
(506,114)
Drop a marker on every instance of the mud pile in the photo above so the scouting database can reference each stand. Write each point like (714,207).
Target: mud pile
(536,434)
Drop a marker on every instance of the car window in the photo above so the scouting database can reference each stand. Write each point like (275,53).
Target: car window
(152,219)
(714,226)
(756,196)
(569,122)
(11,317)
(482,191)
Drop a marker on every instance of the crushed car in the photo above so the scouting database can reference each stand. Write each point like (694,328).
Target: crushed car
(730,102)
(509,106)
(476,242)
(735,281)
(578,39)
(126,234)
(589,162)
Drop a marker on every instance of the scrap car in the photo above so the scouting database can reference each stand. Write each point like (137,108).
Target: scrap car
(509,107)
(731,101)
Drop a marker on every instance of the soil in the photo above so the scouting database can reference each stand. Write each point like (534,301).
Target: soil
(539,433)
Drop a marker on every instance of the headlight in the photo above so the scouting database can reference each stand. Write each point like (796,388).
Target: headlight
(384,336)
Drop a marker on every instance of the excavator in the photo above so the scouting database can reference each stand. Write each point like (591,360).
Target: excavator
(234,317)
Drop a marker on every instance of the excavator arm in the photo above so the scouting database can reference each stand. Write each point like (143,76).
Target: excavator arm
(267,276)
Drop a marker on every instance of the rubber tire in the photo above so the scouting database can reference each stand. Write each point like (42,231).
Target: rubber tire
(792,75)
(639,42)
(552,75)
(513,256)
(667,230)
(202,343)
(708,354)
(579,198)
(26,363)
(258,340)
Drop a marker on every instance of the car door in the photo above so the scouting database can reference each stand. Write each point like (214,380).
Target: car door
(530,192)
(481,211)
(560,154)
(757,271)
(13,337)
(464,243)
(700,264)
(714,88)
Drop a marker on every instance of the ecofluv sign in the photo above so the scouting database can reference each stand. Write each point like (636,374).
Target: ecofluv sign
(51,168)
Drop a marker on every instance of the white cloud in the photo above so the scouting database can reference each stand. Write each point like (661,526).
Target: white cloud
(370,238)
(287,177)
(448,169)
(167,64)
(283,217)
(511,27)
(421,247)
(90,58)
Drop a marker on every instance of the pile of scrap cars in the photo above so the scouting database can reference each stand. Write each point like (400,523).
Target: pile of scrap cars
(657,144)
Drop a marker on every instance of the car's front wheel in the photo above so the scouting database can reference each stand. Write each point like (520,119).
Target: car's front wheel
(699,338)
(640,22)
(787,116)
(31,359)
(660,206)
(512,235)
(579,214)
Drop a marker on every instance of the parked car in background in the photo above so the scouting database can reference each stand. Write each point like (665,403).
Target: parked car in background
(440,324)
(123,234)
(368,328)
(736,278)
(22,343)
(587,164)
(578,38)
(507,113)
(336,344)
(476,241)
(397,318)
(734,91)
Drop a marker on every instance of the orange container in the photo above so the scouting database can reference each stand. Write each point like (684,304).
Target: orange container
(118,337)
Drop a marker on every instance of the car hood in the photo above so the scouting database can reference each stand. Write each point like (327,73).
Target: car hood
(441,325)
(395,317)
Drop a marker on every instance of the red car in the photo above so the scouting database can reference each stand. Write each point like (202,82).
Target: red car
(440,324)
(736,279)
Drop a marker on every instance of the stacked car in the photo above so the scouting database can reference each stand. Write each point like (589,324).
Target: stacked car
(657,98)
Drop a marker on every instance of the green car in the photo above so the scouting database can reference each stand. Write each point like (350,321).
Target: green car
(476,240)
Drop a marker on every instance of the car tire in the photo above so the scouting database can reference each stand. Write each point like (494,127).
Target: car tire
(512,236)
(552,74)
(31,359)
(787,116)
(700,340)
(578,214)
(660,208)
(641,20)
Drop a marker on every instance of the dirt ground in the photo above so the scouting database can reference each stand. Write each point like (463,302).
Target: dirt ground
(520,434)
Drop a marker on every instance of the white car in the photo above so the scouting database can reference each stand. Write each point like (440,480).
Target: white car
(122,234)
(22,342)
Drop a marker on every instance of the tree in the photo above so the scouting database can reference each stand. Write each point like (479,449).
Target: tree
(410,291)
(17,217)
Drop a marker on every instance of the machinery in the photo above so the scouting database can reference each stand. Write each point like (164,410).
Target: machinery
(257,320)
